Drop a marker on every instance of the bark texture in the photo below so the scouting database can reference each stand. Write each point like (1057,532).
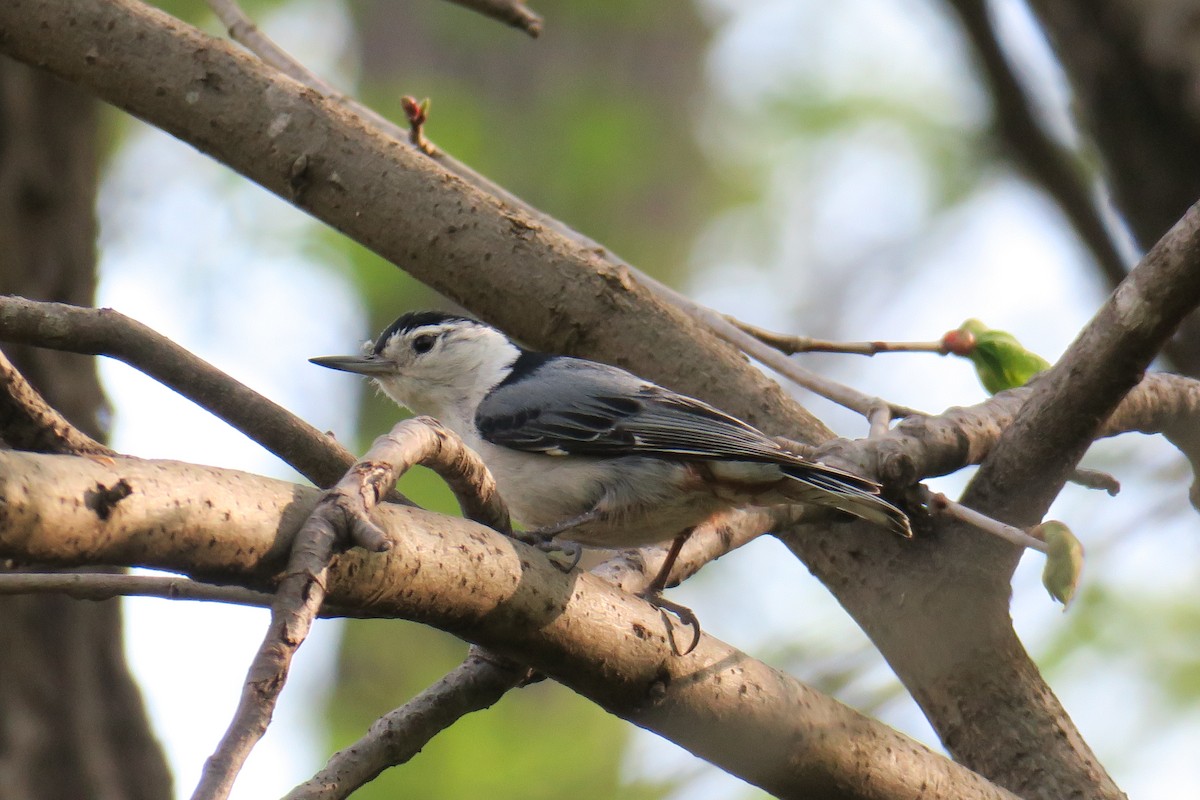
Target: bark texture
(72,724)
(751,720)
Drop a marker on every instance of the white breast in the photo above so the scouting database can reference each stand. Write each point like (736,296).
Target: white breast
(643,499)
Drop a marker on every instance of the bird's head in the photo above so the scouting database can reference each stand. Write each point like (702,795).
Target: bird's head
(433,363)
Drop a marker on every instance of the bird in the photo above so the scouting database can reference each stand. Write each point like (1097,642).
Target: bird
(584,453)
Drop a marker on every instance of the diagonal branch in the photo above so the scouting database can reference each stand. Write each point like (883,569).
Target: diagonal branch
(242,29)
(462,236)
(1052,165)
(106,332)
(477,683)
(1071,402)
(1067,408)
(27,422)
(511,12)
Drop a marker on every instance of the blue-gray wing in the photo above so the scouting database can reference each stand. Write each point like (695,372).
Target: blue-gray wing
(566,406)
(569,406)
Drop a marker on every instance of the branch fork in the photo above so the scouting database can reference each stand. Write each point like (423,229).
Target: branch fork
(342,517)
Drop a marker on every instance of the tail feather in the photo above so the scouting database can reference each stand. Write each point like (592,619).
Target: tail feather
(850,493)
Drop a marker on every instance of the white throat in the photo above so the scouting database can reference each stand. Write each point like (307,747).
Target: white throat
(451,386)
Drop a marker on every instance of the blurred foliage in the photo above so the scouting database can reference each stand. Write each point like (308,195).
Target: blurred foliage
(538,742)
(1146,629)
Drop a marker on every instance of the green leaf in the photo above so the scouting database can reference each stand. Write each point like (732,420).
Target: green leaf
(1000,360)
(1064,562)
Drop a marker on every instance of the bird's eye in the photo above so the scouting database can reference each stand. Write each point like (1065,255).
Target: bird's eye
(424,343)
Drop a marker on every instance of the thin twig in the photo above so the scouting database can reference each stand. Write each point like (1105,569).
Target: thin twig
(477,683)
(939,502)
(245,32)
(342,514)
(105,586)
(831,390)
(511,12)
(790,345)
(1095,479)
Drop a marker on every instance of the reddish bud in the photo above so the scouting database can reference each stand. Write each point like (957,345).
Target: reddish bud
(959,342)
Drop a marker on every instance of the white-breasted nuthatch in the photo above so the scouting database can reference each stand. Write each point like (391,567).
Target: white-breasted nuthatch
(590,453)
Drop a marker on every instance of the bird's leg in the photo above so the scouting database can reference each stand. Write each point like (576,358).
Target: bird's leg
(653,595)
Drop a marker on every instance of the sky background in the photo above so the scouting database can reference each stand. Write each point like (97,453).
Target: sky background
(882,222)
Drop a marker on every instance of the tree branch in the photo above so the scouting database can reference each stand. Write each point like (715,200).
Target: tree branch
(106,586)
(483,678)
(555,291)
(1071,402)
(106,332)
(511,12)
(1053,166)
(1067,408)
(522,271)
(603,643)
(27,422)
(477,683)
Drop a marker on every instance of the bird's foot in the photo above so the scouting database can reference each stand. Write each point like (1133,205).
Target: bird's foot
(571,551)
(684,614)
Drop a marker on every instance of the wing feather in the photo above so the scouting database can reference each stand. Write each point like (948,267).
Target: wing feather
(584,408)
(588,409)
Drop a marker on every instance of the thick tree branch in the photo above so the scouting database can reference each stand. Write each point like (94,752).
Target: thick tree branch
(483,678)
(1067,408)
(608,645)
(242,29)
(1071,402)
(551,290)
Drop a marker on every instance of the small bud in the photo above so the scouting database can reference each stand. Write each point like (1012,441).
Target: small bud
(959,342)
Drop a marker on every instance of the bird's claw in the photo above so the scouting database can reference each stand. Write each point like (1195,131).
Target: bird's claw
(684,614)
(572,552)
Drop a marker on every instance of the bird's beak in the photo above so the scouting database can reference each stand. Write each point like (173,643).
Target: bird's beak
(362,365)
